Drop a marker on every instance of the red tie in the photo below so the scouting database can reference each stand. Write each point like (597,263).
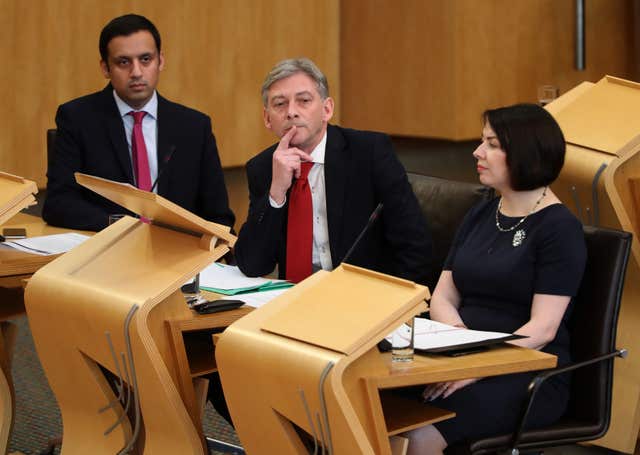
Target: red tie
(139,153)
(300,228)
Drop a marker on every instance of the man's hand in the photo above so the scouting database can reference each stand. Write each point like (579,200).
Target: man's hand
(285,166)
(444,389)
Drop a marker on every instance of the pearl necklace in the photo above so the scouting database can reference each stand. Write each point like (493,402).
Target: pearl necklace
(501,229)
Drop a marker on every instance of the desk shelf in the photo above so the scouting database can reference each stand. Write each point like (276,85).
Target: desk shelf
(403,414)
(200,352)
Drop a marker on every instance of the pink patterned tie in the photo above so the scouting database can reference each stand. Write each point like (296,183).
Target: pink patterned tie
(139,153)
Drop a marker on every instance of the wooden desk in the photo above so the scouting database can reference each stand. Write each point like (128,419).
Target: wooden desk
(15,268)
(277,383)
(600,184)
(15,265)
(195,358)
(390,414)
(192,359)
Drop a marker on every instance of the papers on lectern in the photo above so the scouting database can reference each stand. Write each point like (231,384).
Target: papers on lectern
(436,337)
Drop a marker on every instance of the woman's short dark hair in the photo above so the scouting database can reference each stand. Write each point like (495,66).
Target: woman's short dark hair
(533,142)
(124,26)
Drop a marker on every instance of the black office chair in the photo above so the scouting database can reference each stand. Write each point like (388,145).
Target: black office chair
(444,204)
(51,142)
(593,335)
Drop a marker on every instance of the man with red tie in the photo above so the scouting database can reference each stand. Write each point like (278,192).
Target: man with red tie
(312,193)
(129,133)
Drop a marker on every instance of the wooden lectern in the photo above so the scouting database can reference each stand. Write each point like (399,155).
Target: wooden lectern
(104,305)
(307,363)
(16,194)
(600,183)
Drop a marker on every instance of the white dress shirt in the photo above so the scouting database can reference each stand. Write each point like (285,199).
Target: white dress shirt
(149,131)
(321,252)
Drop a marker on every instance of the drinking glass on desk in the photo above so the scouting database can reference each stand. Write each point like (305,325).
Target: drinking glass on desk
(191,292)
(402,343)
(546,94)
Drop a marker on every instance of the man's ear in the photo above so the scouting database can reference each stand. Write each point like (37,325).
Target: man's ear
(266,118)
(105,69)
(161,60)
(327,109)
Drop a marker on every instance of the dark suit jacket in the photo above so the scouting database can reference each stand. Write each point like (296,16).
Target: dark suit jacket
(361,170)
(91,139)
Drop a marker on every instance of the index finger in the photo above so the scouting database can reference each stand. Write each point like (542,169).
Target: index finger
(303,155)
(284,142)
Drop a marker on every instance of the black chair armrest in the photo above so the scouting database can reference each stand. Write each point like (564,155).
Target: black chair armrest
(537,382)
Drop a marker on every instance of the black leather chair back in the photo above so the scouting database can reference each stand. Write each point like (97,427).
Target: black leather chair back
(51,142)
(593,333)
(444,204)
(593,327)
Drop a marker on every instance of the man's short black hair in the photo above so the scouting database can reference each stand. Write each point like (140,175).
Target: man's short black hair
(125,26)
(533,142)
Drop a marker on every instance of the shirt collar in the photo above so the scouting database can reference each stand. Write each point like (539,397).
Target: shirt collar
(318,153)
(151,108)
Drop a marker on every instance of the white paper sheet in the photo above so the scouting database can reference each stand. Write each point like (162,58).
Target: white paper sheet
(48,244)
(432,334)
(222,276)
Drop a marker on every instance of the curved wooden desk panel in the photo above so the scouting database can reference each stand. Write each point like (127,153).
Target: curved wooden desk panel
(73,301)
(603,144)
(15,267)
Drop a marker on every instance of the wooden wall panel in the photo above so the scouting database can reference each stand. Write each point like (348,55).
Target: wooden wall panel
(429,68)
(397,66)
(217,53)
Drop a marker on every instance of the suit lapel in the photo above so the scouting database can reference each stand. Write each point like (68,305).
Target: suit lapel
(115,130)
(165,143)
(335,175)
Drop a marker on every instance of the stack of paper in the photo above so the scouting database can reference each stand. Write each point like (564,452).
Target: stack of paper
(48,244)
(229,280)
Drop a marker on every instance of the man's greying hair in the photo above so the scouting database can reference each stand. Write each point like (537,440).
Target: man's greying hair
(292,66)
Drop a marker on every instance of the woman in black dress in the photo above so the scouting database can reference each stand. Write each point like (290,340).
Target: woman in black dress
(514,266)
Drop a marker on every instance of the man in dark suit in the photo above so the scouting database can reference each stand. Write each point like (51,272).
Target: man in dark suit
(351,173)
(96,136)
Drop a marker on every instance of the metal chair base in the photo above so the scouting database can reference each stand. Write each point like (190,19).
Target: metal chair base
(224,447)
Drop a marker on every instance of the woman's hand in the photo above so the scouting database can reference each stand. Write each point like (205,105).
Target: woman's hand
(444,389)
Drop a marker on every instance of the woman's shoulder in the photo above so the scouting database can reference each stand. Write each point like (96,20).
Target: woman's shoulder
(559,213)
(559,226)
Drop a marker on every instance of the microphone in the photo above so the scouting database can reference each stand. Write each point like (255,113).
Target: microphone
(372,220)
(163,166)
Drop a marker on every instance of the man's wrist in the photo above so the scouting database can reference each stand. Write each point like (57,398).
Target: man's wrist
(277,197)
(274,202)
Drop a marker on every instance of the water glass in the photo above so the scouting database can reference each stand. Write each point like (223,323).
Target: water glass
(402,343)
(191,292)
(546,94)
